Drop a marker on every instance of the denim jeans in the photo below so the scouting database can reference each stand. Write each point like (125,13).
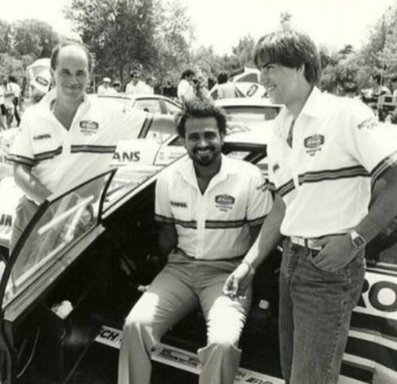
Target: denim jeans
(315,313)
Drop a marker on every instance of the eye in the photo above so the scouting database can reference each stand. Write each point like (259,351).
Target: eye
(193,137)
(209,135)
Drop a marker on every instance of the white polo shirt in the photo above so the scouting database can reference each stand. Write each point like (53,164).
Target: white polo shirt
(186,90)
(338,150)
(213,225)
(62,158)
(136,89)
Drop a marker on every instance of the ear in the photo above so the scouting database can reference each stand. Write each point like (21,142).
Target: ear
(301,70)
(52,76)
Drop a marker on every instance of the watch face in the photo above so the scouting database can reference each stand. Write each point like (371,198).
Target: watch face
(358,241)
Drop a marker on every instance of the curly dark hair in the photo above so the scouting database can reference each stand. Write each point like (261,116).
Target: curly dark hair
(201,109)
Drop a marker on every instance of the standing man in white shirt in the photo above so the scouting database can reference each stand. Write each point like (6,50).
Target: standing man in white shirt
(16,90)
(105,88)
(135,86)
(209,209)
(68,137)
(186,91)
(325,156)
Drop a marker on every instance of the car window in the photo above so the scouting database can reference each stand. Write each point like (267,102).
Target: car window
(172,108)
(252,112)
(65,219)
(148,105)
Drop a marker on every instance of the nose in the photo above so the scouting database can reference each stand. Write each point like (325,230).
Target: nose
(203,141)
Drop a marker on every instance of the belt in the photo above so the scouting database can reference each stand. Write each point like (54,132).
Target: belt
(307,243)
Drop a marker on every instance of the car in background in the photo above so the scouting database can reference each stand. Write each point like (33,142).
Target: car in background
(150,103)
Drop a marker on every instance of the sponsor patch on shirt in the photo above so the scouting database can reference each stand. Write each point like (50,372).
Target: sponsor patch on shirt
(42,81)
(42,137)
(370,123)
(224,202)
(313,144)
(88,127)
(178,204)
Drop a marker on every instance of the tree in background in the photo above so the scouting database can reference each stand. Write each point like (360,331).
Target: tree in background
(128,34)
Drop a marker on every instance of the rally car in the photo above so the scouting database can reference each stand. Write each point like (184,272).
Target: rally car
(66,289)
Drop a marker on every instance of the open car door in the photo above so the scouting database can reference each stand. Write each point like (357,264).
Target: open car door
(34,317)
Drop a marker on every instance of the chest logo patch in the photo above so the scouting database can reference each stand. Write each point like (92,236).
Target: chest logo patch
(42,81)
(88,126)
(313,144)
(224,202)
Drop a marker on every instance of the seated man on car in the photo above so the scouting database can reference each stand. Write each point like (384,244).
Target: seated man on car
(209,209)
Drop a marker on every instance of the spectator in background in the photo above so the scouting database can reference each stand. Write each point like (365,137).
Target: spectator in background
(371,97)
(105,88)
(116,86)
(3,111)
(16,100)
(150,83)
(8,102)
(394,84)
(135,86)
(186,91)
(168,89)
(226,89)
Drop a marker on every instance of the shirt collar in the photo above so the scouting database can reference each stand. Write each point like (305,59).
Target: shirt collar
(45,104)
(315,104)
(188,173)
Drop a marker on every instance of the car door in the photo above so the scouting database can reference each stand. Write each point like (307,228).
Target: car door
(47,310)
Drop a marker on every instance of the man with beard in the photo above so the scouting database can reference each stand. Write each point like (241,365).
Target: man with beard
(209,209)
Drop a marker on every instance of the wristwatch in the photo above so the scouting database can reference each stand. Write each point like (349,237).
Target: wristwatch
(357,240)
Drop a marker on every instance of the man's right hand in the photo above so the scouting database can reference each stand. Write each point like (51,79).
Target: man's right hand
(238,281)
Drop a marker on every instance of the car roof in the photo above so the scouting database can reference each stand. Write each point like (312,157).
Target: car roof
(245,102)
(123,96)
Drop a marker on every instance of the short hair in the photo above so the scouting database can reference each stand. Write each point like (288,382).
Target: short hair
(12,79)
(134,73)
(290,49)
(222,77)
(201,109)
(394,78)
(58,47)
(187,73)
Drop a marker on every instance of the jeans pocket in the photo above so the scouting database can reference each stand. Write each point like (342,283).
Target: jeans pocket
(312,254)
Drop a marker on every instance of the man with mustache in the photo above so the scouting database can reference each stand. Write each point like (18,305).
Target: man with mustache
(209,209)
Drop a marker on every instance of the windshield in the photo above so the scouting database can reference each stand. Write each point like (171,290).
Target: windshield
(58,224)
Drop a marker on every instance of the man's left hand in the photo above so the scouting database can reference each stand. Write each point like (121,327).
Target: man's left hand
(337,251)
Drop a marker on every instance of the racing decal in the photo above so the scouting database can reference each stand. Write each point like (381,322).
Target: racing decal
(93,148)
(178,204)
(313,144)
(181,359)
(368,123)
(127,156)
(42,81)
(224,202)
(252,90)
(379,297)
(88,127)
(333,174)
(5,220)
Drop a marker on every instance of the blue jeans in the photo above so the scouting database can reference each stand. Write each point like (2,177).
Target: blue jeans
(315,313)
